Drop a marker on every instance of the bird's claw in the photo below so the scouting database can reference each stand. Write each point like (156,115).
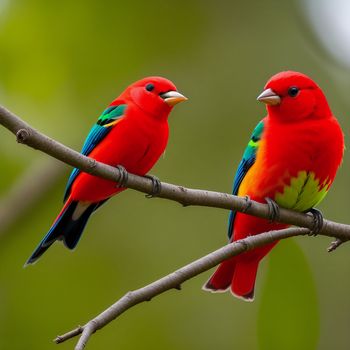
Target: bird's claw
(156,186)
(274,210)
(317,222)
(248,204)
(123,176)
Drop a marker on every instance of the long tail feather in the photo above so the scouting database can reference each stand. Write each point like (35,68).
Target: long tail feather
(64,228)
(220,281)
(243,281)
(239,276)
(74,228)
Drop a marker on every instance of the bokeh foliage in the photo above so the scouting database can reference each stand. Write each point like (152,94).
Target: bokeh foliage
(60,64)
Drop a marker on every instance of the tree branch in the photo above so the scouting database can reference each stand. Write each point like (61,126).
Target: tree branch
(27,135)
(174,281)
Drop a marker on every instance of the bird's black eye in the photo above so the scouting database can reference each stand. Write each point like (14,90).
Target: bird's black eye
(149,87)
(293,91)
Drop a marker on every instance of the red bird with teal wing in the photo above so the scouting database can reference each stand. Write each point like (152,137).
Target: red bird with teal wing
(292,158)
(132,132)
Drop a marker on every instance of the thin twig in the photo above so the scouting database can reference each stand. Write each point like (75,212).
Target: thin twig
(174,280)
(27,135)
(68,335)
(334,245)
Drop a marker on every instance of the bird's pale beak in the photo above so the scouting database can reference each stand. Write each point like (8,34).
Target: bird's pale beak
(171,98)
(269,97)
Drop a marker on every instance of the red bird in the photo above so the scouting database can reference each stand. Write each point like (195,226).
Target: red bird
(292,159)
(132,132)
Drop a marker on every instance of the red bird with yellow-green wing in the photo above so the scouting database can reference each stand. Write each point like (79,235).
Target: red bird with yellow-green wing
(291,159)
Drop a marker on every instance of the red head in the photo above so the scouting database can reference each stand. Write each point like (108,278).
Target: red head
(292,96)
(154,95)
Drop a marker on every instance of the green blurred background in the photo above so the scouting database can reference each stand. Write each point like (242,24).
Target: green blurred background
(61,63)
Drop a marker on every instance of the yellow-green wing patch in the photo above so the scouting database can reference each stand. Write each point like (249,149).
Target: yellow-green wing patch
(303,193)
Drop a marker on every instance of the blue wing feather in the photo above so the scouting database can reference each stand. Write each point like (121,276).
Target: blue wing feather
(97,133)
(246,163)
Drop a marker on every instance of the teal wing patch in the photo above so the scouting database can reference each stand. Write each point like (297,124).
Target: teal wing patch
(97,133)
(246,163)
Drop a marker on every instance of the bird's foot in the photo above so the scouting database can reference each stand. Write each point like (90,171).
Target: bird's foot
(334,245)
(274,210)
(248,204)
(123,176)
(317,222)
(156,186)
